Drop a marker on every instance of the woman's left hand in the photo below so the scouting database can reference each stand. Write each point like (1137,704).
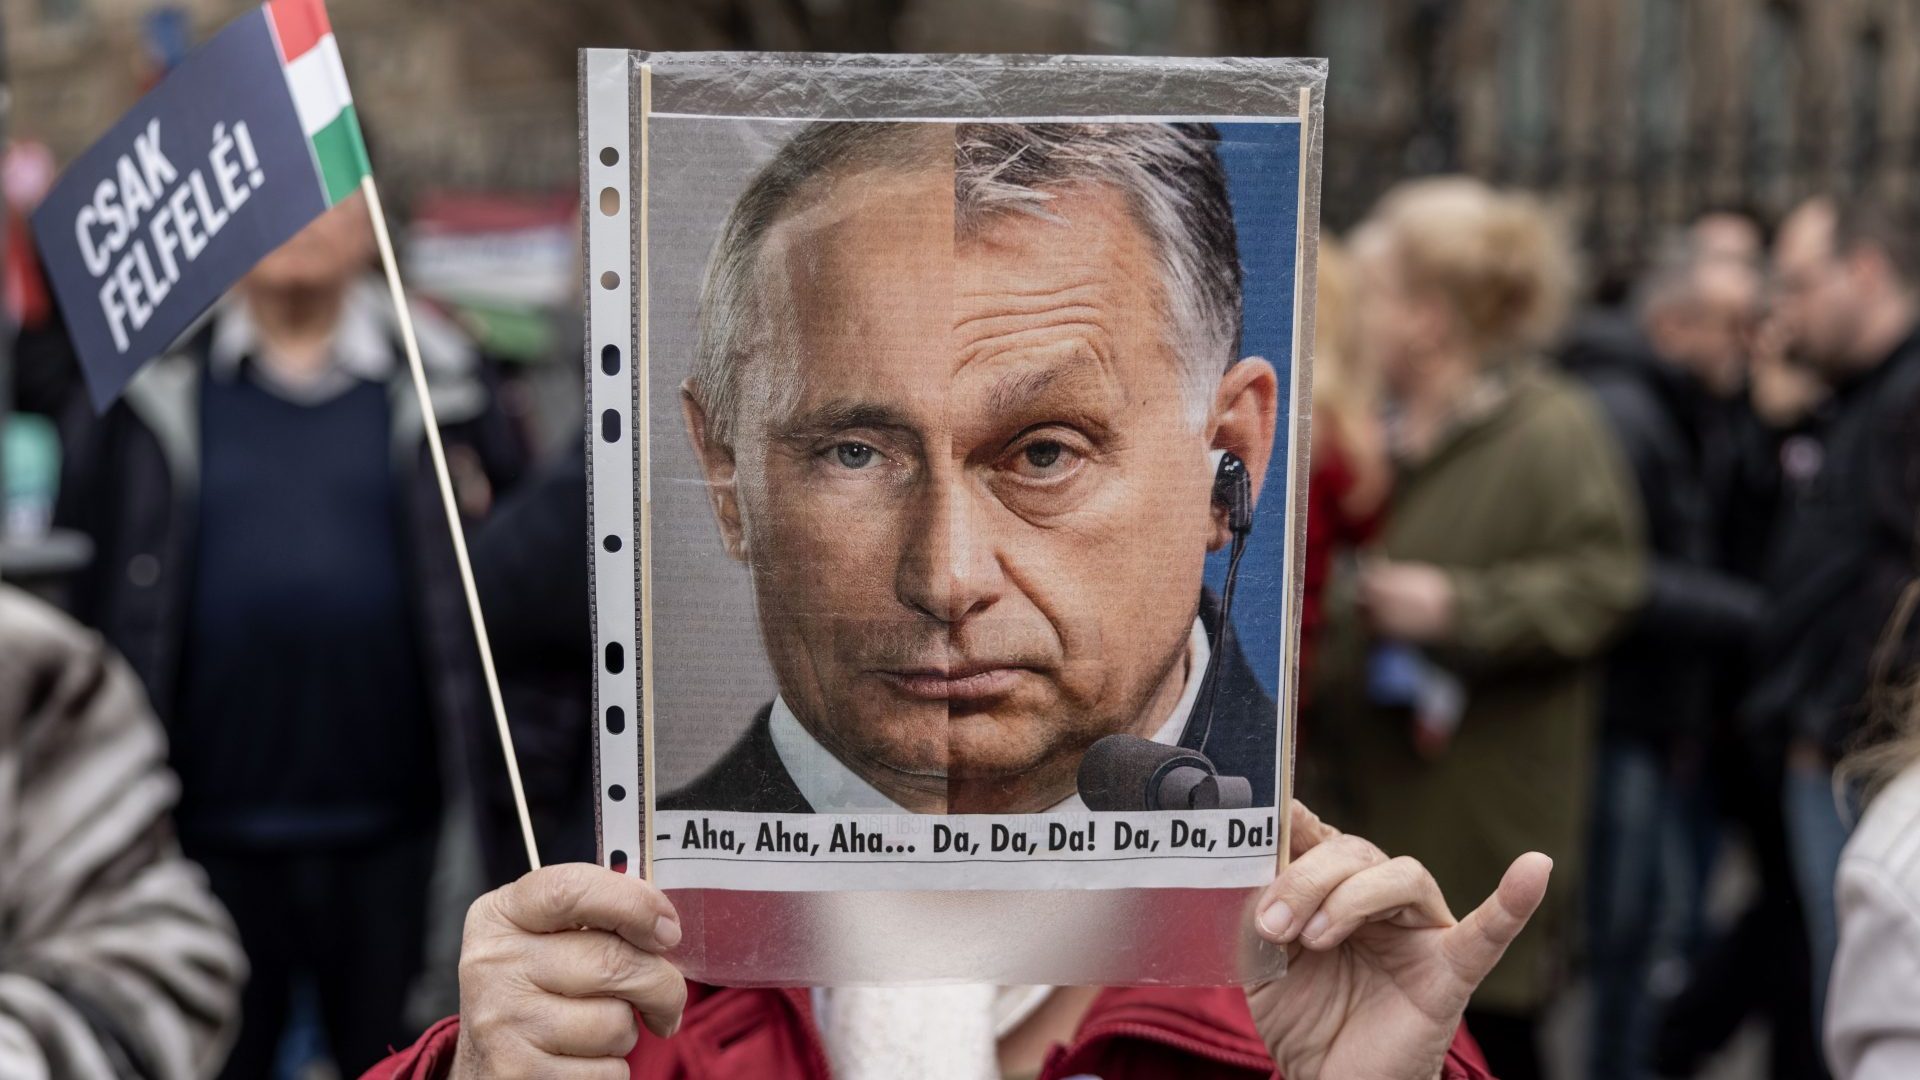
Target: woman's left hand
(1379,971)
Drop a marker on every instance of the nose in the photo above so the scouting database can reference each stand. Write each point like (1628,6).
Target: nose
(949,568)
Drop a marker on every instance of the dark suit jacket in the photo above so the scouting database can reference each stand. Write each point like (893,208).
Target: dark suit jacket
(1243,742)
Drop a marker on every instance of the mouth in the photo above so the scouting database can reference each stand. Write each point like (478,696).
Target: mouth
(960,682)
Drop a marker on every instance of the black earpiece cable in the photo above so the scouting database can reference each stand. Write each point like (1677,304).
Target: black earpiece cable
(1233,489)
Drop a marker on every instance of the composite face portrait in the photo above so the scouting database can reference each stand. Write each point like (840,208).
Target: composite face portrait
(958,400)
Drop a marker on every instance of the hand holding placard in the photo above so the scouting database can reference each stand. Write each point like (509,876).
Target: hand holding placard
(1379,971)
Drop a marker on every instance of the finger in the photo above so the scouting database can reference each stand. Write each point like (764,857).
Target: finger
(1305,830)
(1399,890)
(595,963)
(1477,944)
(1297,893)
(551,1067)
(584,1028)
(573,895)
(534,1062)
(592,1069)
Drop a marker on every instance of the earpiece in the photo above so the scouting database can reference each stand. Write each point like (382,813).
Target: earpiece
(1233,491)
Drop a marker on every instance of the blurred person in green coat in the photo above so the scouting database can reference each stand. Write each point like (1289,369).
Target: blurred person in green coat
(1467,687)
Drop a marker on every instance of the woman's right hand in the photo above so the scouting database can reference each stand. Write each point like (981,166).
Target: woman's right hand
(1407,601)
(554,970)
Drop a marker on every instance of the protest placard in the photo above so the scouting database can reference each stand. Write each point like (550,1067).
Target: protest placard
(946,423)
(243,145)
(253,136)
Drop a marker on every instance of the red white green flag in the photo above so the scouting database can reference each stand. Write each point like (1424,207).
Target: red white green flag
(311,58)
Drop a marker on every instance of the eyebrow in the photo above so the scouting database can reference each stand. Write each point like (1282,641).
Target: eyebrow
(1021,389)
(1015,390)
(842,415)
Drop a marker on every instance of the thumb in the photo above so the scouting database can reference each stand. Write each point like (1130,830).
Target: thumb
(1305,830)
(1481,939)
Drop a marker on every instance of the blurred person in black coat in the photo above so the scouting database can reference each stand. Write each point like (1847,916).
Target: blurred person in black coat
(272,557)
(1834,633)
(530,563)
(1759,962)
(1666,380)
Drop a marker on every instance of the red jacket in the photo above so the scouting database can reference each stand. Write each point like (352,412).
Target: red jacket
(1330,531)
(1129,1034)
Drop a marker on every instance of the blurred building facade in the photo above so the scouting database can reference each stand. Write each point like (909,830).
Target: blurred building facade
(1635,113)
(448,98)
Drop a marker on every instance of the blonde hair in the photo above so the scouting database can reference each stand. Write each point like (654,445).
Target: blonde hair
(1500,260)
(1892,746)
(1343,389)
(1890,743)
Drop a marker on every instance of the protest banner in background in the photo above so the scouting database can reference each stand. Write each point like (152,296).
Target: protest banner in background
(250,138)
(947,423)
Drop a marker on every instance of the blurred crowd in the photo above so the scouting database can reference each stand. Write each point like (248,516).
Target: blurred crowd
(1630,585)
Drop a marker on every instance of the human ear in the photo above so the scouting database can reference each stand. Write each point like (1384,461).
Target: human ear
(1246,412)
(717,465)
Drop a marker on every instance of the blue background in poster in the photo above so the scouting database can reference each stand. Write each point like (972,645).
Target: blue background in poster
(235,77)
(1263,180)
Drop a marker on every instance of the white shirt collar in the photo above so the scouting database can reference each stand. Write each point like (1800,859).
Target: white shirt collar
(829,786)
(363,346)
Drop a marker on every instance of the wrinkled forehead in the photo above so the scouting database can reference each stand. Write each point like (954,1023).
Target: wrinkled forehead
(900,231)
(870,285)
(865,257)
(847,212)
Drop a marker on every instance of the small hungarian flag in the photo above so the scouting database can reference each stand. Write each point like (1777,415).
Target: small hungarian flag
(243,144)
(318,83)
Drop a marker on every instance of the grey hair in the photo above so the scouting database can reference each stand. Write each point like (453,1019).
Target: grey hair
(1170,175)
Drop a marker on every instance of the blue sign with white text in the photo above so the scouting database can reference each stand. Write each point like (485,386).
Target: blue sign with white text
(204,177)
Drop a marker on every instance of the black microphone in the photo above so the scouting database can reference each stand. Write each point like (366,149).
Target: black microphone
(1127,772)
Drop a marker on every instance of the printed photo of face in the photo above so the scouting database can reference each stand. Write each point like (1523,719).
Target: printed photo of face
(965,449)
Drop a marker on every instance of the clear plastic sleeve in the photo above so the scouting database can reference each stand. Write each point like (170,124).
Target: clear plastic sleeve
(814,878)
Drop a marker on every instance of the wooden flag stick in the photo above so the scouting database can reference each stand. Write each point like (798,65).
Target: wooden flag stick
(453,511)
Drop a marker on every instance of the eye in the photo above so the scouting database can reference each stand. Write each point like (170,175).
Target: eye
(1043,455)
(853,455)
(1044,459)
